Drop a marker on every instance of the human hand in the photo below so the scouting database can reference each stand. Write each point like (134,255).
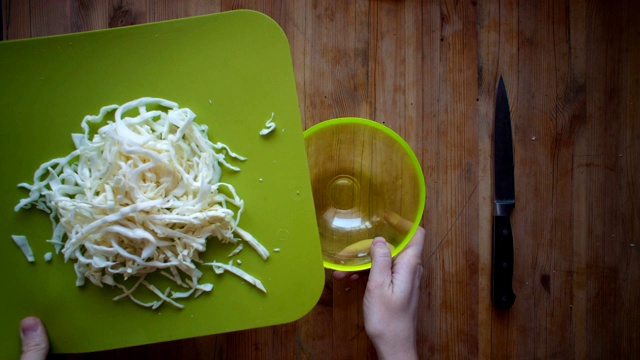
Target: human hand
(390,304)
(35,343)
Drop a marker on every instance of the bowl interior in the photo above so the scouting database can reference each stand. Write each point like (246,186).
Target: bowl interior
(366,182)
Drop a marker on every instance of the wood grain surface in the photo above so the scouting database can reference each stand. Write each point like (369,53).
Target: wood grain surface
(429,70)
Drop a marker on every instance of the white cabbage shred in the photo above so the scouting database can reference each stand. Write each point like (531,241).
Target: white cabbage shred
(143,193)
(219,268)
(23,244)
(269,126)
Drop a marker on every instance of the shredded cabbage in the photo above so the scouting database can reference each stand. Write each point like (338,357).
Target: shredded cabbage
(143,193)
(23,244)
(269,126)
(219,268)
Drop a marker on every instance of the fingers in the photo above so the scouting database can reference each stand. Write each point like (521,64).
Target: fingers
(35,344)
(380,261)
(417,279)
(407,268)
(416,245)
(381,254)
(412,253)
(339,275)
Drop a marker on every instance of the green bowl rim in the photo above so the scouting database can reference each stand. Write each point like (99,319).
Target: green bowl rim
(416,165)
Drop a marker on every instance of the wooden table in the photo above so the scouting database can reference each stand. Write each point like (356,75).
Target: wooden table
(429,70)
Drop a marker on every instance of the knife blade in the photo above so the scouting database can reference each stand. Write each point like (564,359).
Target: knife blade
(502,294)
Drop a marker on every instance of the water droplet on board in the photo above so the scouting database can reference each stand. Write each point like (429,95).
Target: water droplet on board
(297,194)
(283,234)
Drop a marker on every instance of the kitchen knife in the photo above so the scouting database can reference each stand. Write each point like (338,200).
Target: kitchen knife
(502,294)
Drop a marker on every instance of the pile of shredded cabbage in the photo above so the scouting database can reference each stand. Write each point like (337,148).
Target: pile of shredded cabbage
(142,194)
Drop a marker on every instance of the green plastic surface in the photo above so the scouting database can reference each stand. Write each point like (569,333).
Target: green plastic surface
(233,70)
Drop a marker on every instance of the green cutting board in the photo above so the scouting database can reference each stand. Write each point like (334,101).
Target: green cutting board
(233,70)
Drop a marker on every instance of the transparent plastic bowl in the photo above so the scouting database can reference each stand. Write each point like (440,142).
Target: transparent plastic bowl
(366,182)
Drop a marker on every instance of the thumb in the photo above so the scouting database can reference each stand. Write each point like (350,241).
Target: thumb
(380,261)
(35,344)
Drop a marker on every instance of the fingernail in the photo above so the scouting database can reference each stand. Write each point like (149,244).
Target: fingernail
(379,241)
(29,326)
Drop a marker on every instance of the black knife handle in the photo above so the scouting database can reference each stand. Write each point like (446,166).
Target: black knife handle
(502,294)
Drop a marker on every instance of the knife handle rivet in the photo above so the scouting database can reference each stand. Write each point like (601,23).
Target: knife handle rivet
(505,265)
(505,232)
